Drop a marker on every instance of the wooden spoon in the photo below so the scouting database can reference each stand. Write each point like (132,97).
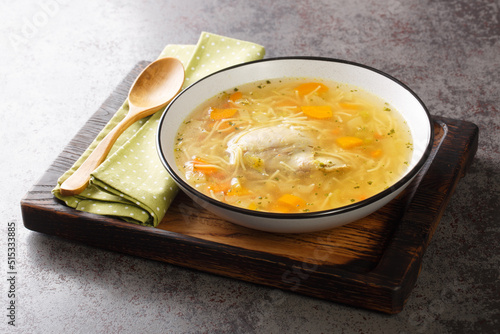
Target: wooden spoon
(153,89)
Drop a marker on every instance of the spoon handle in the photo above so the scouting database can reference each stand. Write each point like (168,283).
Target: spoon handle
(79,180)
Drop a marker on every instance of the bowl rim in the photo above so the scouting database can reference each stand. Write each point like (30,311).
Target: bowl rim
(303,215)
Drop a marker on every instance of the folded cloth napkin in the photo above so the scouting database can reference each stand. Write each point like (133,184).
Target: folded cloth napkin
(132,183)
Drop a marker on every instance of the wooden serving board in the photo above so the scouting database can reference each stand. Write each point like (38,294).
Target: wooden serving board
(372,263)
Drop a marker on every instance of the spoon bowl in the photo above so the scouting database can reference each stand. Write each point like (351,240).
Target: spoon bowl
(153,89)
(157,84)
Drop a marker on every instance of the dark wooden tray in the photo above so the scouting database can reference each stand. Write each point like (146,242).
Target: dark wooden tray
(372,263)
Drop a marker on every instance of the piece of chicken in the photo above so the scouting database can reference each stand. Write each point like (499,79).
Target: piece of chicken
(282,147)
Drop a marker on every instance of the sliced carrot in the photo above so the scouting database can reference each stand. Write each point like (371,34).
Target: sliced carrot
(235,96)
(217,114)
(378,135)
(349,142)
(320,112)
(349,106)
(237,189)
(252,206)
(280,208)
(200,165)
(376,154)
(219,187)
(292,201)
(309,87)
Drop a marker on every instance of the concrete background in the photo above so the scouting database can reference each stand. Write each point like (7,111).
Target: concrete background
(59,60)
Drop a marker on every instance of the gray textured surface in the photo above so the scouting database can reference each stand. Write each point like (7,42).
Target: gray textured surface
(60,60)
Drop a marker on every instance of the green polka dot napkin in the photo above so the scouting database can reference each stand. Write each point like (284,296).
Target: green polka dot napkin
(132,183)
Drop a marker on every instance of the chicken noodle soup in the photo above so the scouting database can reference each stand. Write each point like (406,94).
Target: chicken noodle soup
(290,145)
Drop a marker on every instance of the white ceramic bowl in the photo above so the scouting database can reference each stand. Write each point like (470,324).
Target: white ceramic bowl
(372,80)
